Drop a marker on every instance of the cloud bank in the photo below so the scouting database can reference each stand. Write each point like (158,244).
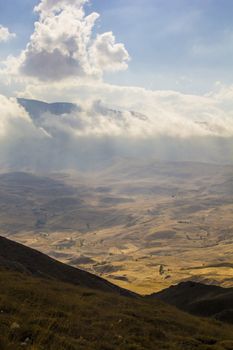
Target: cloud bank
(93,135)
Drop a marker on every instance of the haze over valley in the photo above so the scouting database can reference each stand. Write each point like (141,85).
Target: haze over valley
(142,225)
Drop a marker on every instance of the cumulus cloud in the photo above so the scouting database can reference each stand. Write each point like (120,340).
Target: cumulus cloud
(5,34)
(106,53)
(63,44)
(46,7)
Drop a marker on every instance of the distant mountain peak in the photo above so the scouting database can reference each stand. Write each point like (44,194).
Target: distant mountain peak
(36,108)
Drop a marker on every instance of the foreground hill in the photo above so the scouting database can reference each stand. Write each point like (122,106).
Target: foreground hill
(17,257)
(45,313)
(200,299)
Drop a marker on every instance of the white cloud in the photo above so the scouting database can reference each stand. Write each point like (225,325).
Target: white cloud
(106,53)
(15,123)
(63,45)
(48,7)
(171,126)
(20,139)
(170,113)
(5,34)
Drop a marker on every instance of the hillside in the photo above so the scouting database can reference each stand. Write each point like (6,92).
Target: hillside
(200,299)
(40,313)
(17,257)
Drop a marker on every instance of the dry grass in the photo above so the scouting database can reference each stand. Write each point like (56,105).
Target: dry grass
(57,316)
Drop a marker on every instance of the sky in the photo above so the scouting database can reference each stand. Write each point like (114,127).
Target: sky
(151,78)
(184,45)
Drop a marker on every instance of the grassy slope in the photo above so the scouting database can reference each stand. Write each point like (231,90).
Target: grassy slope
(200,299)
(59,316)
(18,257)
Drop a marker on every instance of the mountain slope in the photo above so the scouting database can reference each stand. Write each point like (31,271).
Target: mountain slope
(200,299)
(37,108)
(40,313)
(17,257)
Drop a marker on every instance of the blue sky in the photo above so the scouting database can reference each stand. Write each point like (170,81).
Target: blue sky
(184,45)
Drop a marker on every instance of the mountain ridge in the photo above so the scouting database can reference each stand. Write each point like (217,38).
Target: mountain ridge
(200,299)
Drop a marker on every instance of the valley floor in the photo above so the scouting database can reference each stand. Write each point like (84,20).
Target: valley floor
(143,227)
